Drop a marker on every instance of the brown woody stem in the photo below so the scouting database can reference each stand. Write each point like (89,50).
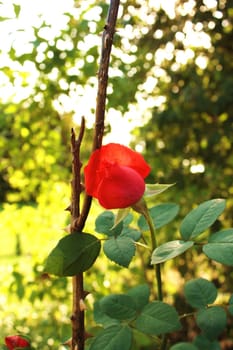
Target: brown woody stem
(77,318)
(107,39)
(79,218)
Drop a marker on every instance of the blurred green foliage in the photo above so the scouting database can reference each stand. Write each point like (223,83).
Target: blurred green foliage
(173,63)
(188,138)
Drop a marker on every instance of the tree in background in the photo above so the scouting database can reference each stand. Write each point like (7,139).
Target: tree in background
(189,135)
(171,72)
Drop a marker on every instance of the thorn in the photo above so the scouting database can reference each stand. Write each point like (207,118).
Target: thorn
(72,317)
(88,335)
(68,208)
(45,276)
(85,293)
(68,342)
(82,305)
(67,229)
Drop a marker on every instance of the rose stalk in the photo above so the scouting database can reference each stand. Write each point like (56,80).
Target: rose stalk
(115,176)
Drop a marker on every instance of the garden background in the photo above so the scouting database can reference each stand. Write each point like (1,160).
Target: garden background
(169,96)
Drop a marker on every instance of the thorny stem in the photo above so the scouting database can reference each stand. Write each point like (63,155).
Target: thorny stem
(107,39)
(76,180)
(77,318)
(79,218)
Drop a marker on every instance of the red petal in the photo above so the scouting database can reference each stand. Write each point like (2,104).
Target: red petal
(16,341)
(104,158)
(123,155)
(122,188)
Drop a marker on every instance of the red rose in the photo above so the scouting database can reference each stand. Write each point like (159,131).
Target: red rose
(16,341)
(115,176)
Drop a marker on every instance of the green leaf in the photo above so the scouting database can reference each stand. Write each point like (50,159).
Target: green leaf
(135,235)
(140,295)
(230,307)
(158,318)
(105,223)
(212,321)
(113,338)
(17,9)
(121,215)
(223,236)
(119,306)
(141,338)
(152,190)
(200,292)
(161,215)
(203,343)
(128,219)
(169,251)
(101,318)
(73,254)
(220,252)
(201,218)
(220,247)
(120,250)
(184,346)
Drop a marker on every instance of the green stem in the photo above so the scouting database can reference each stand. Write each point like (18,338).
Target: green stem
(157,268)
(154,245)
